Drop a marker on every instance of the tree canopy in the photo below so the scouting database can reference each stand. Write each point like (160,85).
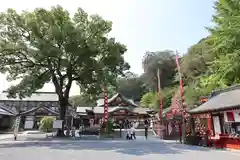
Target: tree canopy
(214,60)
(132,87)
(51,46)
(82,101)
(162,60)
(225,35)
(149,100)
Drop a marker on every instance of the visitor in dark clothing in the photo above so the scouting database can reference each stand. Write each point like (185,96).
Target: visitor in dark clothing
(146,123)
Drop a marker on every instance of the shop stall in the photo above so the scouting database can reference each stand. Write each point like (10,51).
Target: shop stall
(221,117)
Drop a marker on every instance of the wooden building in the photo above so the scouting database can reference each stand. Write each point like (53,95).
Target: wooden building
(32,108)
(172,121)
(119,108)
(6,119)
(220,117)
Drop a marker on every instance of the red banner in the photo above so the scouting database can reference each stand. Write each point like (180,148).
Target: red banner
(181,86)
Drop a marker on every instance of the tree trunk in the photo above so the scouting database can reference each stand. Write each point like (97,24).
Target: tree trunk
(63,110)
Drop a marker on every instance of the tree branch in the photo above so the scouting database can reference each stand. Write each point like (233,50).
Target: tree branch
(58,88)
(69,84)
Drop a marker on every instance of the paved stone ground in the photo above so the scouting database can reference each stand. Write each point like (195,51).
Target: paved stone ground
(139,149)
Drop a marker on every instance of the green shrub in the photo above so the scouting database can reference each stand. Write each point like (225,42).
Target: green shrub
(46,124)
(110,126)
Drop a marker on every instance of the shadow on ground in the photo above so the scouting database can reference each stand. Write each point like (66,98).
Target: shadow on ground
(138,147)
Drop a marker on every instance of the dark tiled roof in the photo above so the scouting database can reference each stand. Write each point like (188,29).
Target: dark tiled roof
(37,96)
(169,110)
(164,112)
(141,110)
(37,108)
(217,92)
(100,102)
(7,109)
(100,110)
(3,111)
(221,100)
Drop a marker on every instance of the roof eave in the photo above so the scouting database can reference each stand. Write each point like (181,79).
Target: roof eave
(117,95)
(215,110)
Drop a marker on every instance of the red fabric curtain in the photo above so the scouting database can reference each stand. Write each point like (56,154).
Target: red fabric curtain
(230,117)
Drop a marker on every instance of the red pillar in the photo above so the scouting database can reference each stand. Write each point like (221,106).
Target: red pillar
(210,125)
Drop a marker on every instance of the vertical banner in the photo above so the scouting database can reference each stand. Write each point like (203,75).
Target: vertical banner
(105,105)
(182,129)
(161,127)
(180,84)
(159,94)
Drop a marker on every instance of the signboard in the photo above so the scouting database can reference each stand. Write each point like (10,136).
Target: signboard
(207,115)
(30,118)
(28,124)
(57,124)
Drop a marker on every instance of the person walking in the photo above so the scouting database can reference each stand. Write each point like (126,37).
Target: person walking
(133,134)
(146,124)
(73,132)
(128,134)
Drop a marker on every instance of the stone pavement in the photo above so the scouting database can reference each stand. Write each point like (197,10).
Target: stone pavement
(6,136)
(35,135)
(139,149)
(22,134)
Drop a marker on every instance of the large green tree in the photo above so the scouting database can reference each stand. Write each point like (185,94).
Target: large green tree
(149,100)
(214,61)
(195,66)
(225,35)
(162,60)
(51,46)
(82,101)
(196,61)
(131,87)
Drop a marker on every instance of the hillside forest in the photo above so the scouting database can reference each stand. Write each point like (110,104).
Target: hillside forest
(211,63)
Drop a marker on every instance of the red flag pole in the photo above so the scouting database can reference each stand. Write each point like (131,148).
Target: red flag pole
(180,80)
(182,99)
(105,104)
(159,94)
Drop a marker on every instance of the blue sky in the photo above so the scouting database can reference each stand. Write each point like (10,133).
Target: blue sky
(143,25)
(164,24)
